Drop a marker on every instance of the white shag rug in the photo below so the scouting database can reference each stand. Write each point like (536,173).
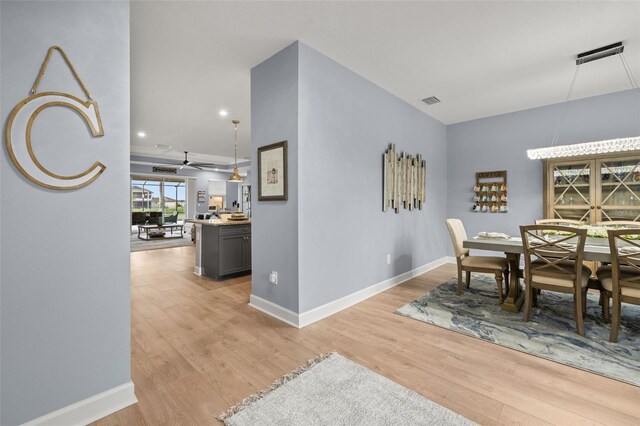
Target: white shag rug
(331,390)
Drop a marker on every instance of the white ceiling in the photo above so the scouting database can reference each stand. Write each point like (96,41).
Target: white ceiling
(191,59)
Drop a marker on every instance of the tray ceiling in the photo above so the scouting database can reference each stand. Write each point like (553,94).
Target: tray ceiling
(191,59)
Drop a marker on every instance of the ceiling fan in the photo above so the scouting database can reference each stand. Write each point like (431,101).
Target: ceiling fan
(187,163)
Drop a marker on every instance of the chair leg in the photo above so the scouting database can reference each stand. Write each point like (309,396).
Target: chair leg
(584,302)
(528,300)
(605,307)
(577,300)
(499,283)
(468,282)
(459,289)
(615,319)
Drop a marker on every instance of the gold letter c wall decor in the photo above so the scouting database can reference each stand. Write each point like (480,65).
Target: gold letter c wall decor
(20,123)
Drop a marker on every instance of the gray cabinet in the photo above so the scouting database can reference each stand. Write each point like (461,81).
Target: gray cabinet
(226,250)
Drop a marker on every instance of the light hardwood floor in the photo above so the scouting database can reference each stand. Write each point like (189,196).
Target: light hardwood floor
(198,348)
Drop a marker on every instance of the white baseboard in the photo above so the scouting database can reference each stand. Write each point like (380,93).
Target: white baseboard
(276,311)
(91,409)
(328,309)
(197,270)
(338,305)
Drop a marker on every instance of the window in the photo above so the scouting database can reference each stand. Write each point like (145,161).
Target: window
(157,200)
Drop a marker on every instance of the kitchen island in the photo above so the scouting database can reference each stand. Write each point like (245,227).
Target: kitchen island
(223,248)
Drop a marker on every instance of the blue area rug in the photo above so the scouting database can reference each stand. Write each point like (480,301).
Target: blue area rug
(549,334)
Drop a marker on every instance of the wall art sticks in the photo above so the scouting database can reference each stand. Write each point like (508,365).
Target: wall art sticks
(404,180)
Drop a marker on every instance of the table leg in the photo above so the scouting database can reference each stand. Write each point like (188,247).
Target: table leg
(515,297)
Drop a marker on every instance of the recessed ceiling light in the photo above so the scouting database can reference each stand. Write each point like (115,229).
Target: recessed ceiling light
(141,134)
(223,113)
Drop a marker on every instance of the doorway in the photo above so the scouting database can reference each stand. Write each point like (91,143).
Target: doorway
(157,201)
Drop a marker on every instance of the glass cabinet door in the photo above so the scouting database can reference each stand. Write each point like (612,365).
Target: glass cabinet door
(571,194)
(619,194)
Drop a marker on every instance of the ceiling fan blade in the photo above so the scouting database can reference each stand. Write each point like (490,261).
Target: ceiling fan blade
(208,165)
(181,167)
(196,167)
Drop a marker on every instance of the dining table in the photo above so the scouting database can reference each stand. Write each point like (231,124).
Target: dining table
(595,249)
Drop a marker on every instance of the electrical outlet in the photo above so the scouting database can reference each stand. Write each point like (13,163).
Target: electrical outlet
(273,278)
(388,259)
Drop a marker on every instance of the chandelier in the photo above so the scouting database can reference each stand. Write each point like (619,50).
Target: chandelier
(235,177)
(597,147)
(587,148)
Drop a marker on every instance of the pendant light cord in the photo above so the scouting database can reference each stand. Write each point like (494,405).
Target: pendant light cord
(235,144)
(566,106)
(627,68)
(629,71)
(235,177)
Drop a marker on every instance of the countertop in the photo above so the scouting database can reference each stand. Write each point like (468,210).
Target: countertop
(218,222)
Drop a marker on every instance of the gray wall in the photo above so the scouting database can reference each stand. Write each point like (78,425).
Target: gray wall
(501,142)
(331,237)
(201,181)
(274,118)
(1,167)
(65,307)
(345,125)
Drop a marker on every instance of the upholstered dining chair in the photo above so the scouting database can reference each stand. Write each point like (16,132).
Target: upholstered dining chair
(555,264)
(498,266)
(560,222)
(621,280)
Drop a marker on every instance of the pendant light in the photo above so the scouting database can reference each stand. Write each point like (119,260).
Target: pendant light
(235,177)
(598,147)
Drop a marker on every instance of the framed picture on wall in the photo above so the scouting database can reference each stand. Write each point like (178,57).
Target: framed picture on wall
(272,172)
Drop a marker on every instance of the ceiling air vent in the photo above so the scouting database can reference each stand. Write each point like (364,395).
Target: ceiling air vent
(431,100)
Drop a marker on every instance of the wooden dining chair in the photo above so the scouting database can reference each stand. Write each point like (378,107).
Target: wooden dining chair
(620,224)
(592,265)
(621,280)
(498,266)
(555,264)
(560,222)
(617,224)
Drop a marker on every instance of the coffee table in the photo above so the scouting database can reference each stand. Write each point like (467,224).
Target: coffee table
(148,228)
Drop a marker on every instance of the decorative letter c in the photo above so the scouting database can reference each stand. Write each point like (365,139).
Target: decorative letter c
(18,139)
